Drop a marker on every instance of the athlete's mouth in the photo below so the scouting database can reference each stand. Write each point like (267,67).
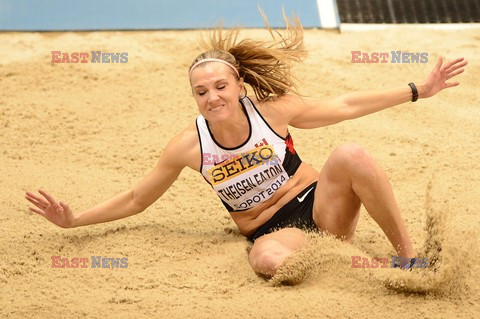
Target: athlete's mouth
(216,108)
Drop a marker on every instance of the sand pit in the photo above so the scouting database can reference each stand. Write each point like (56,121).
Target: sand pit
(85,132)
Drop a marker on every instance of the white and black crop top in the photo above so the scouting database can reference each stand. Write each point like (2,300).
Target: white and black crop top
(249,174)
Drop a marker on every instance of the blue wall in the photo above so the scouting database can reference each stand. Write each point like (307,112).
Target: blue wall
(148,14)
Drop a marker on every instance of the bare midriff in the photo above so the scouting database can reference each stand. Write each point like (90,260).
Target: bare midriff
(250,220)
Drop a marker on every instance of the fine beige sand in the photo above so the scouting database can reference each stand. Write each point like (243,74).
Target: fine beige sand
(85,132)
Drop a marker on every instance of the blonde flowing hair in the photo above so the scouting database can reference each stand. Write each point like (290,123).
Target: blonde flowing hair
(264,65)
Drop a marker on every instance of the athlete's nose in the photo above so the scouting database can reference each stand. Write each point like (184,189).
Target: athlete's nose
(212,97)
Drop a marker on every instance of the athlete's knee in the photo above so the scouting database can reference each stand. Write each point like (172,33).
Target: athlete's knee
(355,159)
(267,258)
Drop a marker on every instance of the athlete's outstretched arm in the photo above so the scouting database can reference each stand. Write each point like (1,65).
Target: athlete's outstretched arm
(127,203)
(306,113)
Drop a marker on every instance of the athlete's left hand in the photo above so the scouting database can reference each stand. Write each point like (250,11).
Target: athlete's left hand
(441,73)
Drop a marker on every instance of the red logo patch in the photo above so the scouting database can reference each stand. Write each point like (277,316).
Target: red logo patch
(261,143)
(289,143)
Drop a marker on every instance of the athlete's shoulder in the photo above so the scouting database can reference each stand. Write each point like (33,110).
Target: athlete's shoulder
(278,110)
(184,147)
(188,137)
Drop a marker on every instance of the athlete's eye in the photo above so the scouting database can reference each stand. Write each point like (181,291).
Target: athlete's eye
(201,93)
(221,87)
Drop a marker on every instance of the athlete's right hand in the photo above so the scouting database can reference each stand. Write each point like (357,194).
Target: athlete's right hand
(57,212)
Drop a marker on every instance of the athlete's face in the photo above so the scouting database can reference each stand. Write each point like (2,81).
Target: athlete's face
(216,90)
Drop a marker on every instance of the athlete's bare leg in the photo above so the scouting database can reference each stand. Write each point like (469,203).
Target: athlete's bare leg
(270,251)
(349,178)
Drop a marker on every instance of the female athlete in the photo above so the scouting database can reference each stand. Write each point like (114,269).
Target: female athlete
(242,146)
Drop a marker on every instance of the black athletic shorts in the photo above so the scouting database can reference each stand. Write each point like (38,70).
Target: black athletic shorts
(296,213)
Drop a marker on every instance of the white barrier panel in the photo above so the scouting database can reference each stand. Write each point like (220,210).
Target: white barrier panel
(328,13)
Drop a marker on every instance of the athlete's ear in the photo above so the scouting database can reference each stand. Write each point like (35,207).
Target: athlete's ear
(242,91)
